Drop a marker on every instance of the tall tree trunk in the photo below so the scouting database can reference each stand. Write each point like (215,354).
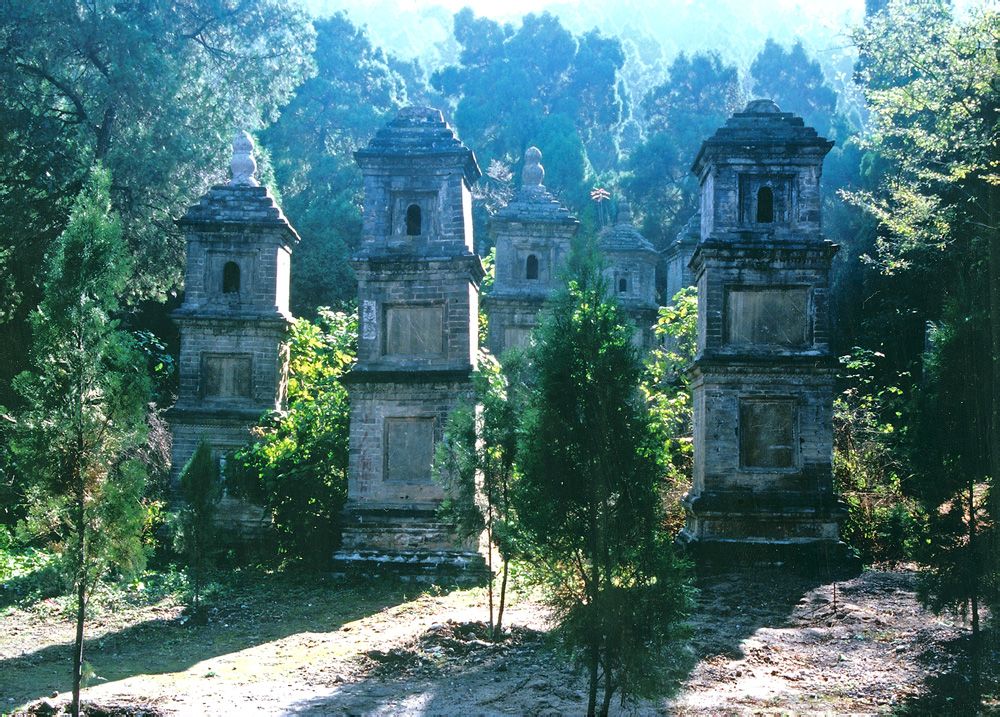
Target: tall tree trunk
(609,691)
(81,574)
(489,567)
(974,580)
(503,595)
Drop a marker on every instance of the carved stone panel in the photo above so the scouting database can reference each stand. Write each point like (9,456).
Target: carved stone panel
(409,449)
(768,317)
(226,376)
(767,432)
(516,337)
(414,330)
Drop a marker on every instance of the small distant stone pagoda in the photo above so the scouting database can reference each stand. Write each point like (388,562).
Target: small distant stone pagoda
(677,257)
(762,381)
(630,272)
(234,319)
(533,234)
(418,295)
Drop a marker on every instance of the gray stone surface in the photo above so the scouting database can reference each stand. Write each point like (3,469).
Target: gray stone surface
(418,292)
(762,382)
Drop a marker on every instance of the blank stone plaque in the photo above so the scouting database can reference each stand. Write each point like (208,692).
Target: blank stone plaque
(767,433)
(225,376)
(409,449)
(414,330)
(517,337)
(769,317)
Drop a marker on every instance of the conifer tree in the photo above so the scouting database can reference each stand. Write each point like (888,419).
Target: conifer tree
(85,408)
(590,501)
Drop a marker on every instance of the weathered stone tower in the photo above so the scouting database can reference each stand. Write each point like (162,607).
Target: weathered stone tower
(763,378)
(677,257)
(234,318)
(532,235)
(418,294)
(630,272)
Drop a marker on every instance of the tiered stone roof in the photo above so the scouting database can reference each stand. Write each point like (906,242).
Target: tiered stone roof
(622,236)
(418,132)
(761,126)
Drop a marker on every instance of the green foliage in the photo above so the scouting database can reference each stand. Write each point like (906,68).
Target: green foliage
(883,524)
(700,92)
(78,438)
(27,574)
(665,387)
(537,84)
(153,91)
(590,502)
(297,466)
(201,489)
(931,82)
(795,82)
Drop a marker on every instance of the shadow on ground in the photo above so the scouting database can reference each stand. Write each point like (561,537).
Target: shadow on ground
(256,610)
(531,677)
(951,689)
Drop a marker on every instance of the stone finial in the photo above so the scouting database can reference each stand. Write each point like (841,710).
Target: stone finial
(762,107)
(624,213)
(533,173)
(244,166)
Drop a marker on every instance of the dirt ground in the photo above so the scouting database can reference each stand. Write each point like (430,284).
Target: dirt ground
(763,642)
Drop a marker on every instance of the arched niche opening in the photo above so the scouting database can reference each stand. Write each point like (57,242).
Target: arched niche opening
(622,285)
(231,278)
(531,267)
(765,205)
(413,227)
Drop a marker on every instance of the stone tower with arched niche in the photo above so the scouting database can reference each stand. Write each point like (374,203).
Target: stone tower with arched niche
(630,272)
(418,295)
(532,235)
(762,381)
(234,319)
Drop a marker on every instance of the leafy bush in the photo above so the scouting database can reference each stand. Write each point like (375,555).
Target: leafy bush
(297,466)
(883,524)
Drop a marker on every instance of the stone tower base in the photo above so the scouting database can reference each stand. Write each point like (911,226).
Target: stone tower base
(406,543)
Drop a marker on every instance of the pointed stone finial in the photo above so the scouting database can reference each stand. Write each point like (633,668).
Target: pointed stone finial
(624,213)
(244,166)
(533,173)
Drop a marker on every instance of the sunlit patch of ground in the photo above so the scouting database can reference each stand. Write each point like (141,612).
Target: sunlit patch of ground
(762,642)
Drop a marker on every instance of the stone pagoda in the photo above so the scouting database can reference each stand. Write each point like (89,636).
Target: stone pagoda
(762,380)
(532,234)
(418,296)
(677,257)
(630,272)
(234,319)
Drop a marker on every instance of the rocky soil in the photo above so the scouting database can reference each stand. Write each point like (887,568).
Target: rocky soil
(763,642)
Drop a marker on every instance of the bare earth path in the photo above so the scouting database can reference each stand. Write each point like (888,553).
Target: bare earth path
(763,643)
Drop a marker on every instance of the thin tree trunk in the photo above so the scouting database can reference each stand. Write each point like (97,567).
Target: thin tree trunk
(609,691)
(489,567)
(974,589)
(503,596)
(81,575)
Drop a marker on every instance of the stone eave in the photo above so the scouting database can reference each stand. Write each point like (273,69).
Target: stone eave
(406,376)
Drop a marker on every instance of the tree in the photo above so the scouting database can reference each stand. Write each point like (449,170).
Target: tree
(153,90)
(311,146)
(795,82)
(590,501)
(297,464)
(477,465)
(932,84)
(201,490)
(85,397)
(537,85)
(698,96)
